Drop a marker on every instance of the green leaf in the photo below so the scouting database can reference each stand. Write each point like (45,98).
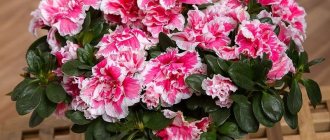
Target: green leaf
(244,117)
(230,129)
(89,133)
(225,138)
(40,44)
(35,120)
(313,92)
(79,128)
(56,93)
(46,107)
(154,54)
(239,99)
(77,117)
(294,99)
(242,75)
(212,63)
(210,135)
(194,81)
(315,61)
(272,107)
(100,132)
(165,41)
(290,119)
(277,30)
(258,112)
(71,68)
(208,104)
(20,88)
(155,120)
(30,99)
(34,62)
(266,20)
(220,116)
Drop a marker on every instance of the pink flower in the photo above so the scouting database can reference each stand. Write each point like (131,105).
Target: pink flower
(52,41)
(109,92)
(61,108)
(168,71)
(180,129)
(71,85)
(168,4)
(269,2)
(219,87)
(210,29)
(152,95)
(290,12)
(280,68)
(255,38)
(67,16)
(67,53)
(36,22)
(128,10)
(158,19)
(125,47)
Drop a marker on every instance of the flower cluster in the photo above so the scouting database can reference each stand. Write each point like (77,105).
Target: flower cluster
(167,68)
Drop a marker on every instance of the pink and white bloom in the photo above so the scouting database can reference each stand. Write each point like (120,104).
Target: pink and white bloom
(152,95)
(280,68)
(127,10)
(180,129)
(168,4)
(126,47)
(158,19)
(210,29)
(168,71)
(109,92)
(36,22)
(67,53)
(255,38)
(220,88)
(67,16)
(269,2)
(61,108)
(290,12)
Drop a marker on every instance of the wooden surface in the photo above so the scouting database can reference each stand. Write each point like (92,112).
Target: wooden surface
(15,38)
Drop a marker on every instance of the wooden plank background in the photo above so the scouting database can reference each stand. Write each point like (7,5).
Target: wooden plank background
(15,39)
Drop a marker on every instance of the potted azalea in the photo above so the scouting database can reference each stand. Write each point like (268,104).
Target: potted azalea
(167,69)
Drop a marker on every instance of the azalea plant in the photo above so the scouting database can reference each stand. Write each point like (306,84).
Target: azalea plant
(167,69)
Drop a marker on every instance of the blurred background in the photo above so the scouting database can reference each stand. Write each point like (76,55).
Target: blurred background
(15,39)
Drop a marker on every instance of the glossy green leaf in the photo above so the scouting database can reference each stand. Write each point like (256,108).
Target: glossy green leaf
(258,112)
(35,120)
(77,117)
(294,99)
(212,64)
(242,75)
(194,81)
(290,119)
(45,107)
(30,99)
(71,68)
(79,128)
(19,89)
(272,107)
(155,120)
(165,41)
(220,116)
(230,129)
(315,61)
(55,93)
(210,135)
(245,118)
(100,132)
(313,92)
